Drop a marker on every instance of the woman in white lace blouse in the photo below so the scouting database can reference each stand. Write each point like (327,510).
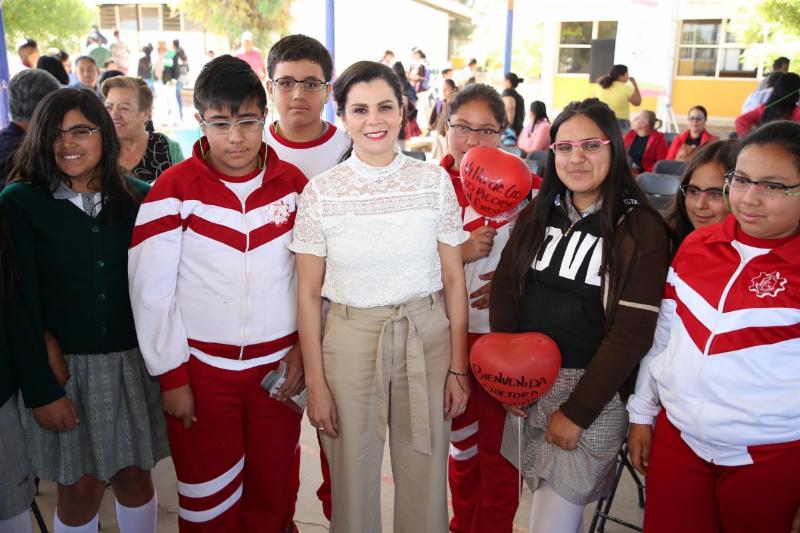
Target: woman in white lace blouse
(379,236)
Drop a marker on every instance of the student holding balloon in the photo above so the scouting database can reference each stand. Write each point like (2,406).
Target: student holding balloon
(585,265)
(483,483)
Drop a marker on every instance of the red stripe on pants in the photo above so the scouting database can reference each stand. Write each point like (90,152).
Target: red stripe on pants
(690,495)
(483,488)
(236,418)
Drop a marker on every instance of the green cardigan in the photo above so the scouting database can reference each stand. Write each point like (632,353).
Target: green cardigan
(73,272)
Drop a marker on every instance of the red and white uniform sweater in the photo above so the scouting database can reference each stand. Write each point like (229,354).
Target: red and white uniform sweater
(725,363)
(479,318)
(312,157)
(211,274)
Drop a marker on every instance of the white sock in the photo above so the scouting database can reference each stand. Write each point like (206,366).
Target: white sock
(140,519)
(89,527)
(18,524)
(550,513)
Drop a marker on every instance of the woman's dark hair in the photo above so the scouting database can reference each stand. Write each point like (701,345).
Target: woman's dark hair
(701,109)
(539,111)
(450,83)
(613,75)
(400,71)
(618,192)
(783,100)
(480,92)
(723,153)
(227,82)
(35,160)
(54,67)
(364,72)
(784,134)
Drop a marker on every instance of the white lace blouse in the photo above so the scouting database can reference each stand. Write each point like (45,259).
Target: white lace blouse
(378,228)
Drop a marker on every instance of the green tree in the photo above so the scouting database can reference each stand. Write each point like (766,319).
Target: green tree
(769,29)
(266,19)
(56,23)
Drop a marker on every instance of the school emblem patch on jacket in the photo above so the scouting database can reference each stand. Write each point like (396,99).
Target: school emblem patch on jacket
(278,212)
(768,284)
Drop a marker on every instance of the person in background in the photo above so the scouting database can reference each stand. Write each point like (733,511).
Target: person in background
(28,53)
(410,99)
(695,136)
(701,200)
(644,143)
(25,90)
(471,75)
(447,74)
(252,55)
(781,105)
(535,135)
(419,72)
(515,104)
(300,71)
(87,73)
(54,67)
(779,65)
(98,51)
(715,422)
(761,96)
(63,56)
(96,415)
(585,265)
(143,154)
(120,53)
(439,111)
(144,67)
(181,74)
(614,90)
(163,76)
(388,58)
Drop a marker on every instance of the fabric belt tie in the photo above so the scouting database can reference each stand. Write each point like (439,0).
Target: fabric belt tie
(417,375)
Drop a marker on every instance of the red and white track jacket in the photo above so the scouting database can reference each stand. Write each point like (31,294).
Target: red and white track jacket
(725,363)
(212,275)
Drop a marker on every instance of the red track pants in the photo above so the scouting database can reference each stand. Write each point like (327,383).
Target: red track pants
(687,494)
(238,466)
(483,484)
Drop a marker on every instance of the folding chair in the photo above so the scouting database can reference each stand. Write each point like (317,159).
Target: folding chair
(512,150)
(416,154)
(37,514)
(603,507)
(660,188)
(666,166)
(669,137)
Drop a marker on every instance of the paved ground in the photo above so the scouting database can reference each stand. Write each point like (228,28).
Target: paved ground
(309,515)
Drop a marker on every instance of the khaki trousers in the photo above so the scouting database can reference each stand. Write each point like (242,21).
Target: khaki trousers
(387,366)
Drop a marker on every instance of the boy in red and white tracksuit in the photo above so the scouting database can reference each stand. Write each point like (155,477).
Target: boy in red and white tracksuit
(483,484)
(214,296)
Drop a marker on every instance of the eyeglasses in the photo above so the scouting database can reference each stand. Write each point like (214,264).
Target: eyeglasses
(310,85)
(462,130)
(588,146)
(75,133)
(696,119)
(770,189)
(713,194)
(248,125)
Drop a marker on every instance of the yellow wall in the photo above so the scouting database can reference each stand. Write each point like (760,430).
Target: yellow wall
(722,97)
(569,88)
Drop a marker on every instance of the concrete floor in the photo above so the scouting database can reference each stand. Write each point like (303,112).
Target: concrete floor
(309,517)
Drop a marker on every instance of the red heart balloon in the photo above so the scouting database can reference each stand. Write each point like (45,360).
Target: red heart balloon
(494,181)
(515,368)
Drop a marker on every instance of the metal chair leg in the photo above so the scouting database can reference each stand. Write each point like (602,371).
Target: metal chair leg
(37,515)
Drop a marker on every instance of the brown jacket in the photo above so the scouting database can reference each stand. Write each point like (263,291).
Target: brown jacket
(631,310)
